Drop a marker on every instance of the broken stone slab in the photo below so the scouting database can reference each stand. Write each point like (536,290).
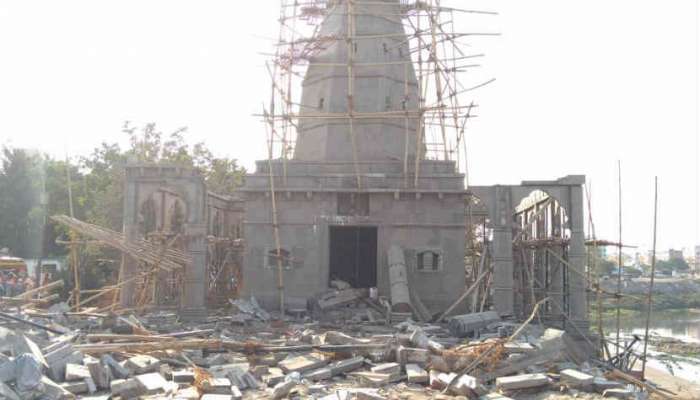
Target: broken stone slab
(387,368)
(57,368)
(408,355)
(302,363)
(625,394)
(217,386)
(338,298)
(75,372)
(347,365)
(126,388)
(464,325)
(53,391)
(100,373)
(521,381)
(465,385)
(24,345)
(118,370)
(319,374)
(151,383)
(575,378)
(225,371)
(188,393)
(419,339)
(211,396)
(142,363)
(274,376)
(28,372)
(183,376)
(374,379)
(494,396)
(600,385)
(439,380)
(416,374)
(518,347)
(236,393)
(76,387)
(283,389)
(339,338)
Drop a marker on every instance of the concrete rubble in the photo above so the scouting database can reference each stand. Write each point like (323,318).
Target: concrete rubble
(244,352)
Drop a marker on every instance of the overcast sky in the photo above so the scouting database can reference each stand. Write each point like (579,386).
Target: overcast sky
(580,84)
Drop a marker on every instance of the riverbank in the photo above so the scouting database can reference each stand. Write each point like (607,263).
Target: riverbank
(668,294)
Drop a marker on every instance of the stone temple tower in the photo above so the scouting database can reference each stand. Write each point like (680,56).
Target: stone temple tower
(369,105)
(351,191)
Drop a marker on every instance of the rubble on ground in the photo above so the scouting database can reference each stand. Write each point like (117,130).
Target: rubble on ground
(356,350)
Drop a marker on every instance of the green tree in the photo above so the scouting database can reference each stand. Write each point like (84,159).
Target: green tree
(21,209)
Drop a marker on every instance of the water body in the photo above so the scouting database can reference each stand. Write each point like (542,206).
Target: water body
(678,324)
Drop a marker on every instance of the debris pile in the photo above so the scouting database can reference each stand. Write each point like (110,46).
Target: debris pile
(246,352)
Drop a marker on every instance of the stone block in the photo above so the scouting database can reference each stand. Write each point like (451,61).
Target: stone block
(466,385)
(183,376)
(217,386)
(518,348)
(25,345)
(625,394)
(416,374)
(387,368)
(274,376)
(141,364)
(408,355)
(126,388)
(188,393)
(302,363)
(319,374)
(575,378)
(76,387)
(75,372)
(211,396)
(282,389)
(347,365)
(494,396)
(521,381)
(440,380)
(151,383)
(600,385)
(53,391)
(118,370)
(464,325)
(236,393)
(100,373)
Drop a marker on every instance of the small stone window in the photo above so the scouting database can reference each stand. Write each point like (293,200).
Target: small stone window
(284,255)
(387,103)
(321,103)
(429,260)
(385,48)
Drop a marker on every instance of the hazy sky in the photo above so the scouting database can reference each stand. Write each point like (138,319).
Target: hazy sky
(580,84)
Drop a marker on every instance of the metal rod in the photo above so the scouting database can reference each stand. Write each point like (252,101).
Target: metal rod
(651,282)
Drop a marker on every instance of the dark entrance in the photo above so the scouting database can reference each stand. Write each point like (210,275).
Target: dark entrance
(353,255)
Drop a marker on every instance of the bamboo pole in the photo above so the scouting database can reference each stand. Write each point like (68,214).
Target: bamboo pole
(464,295)
(619,259)
(651,282)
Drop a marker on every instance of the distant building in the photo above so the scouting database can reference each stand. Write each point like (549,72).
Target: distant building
(674,254)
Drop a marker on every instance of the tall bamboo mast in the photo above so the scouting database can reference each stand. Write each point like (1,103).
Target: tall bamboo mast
(651,282)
